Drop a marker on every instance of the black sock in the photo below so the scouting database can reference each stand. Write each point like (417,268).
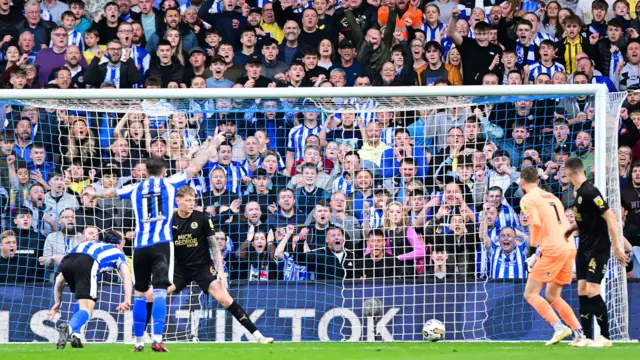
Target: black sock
(602,316)
(149,307)
(238,312)
(586,310)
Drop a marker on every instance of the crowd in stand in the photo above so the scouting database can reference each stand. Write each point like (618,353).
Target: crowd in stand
(294,192)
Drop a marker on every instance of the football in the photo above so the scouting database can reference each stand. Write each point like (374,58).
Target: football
(433,330)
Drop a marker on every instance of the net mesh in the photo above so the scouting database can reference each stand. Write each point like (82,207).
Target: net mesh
(431,255)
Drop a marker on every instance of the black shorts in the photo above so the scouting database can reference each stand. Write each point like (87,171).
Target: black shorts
(81,273)
(153,265)
(591,266)
(203,275)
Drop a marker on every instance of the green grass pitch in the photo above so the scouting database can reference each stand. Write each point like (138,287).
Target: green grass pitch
(327,351)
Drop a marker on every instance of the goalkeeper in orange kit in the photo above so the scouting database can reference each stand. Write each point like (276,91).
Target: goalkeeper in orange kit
(553,263)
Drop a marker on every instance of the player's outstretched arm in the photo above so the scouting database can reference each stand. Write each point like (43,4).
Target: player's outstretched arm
(57,296)
(201,158)
(612,226)
(125,274)
(104,194)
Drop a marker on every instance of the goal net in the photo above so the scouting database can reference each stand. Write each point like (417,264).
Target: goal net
(364,212)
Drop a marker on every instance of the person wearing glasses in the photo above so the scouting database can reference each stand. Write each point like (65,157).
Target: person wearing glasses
(35,24)
(54,57)
(119,69)
(59,243)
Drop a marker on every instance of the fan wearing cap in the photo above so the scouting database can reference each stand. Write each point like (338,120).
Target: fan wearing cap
(197,60)
(254,21)
(348,62)
(218,69)
(253,79)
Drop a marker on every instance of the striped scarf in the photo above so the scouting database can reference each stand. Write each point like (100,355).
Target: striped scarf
(531,55)
(616,58)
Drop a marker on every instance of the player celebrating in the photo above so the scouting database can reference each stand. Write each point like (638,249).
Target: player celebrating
(594,221)
(80,269)
(153,203)
(554,267)
(192,231)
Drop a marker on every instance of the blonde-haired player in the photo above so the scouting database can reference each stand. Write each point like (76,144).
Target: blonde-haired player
(553,264)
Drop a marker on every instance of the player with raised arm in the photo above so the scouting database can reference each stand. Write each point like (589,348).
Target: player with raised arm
(153,202)
(552,264)
(80,269)
(595,221)
(194,236)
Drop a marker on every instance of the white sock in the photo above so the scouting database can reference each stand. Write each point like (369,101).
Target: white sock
(558,326)
(139,340)
(257,334)
(157,338)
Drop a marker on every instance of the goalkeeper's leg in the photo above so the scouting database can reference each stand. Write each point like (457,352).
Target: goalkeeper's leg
(536,279)
(220,293)
(553,295)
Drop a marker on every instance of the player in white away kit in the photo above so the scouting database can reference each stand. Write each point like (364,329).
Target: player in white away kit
(153,202)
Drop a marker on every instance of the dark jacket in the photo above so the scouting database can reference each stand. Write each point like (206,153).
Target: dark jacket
(407,76)
(96,72)
(224,21)
(587,48)
(366,55)
(326,264)
(604,53)
(366,14)
(176,74)
(23,26)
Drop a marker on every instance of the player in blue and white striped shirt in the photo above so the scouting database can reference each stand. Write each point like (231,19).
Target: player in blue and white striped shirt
(80,269)
(153,203)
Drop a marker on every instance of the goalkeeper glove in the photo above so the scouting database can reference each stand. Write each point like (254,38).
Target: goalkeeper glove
(531,260)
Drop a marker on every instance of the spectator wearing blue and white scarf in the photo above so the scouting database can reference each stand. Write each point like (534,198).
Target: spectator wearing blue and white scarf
(290,270)
(525,48)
